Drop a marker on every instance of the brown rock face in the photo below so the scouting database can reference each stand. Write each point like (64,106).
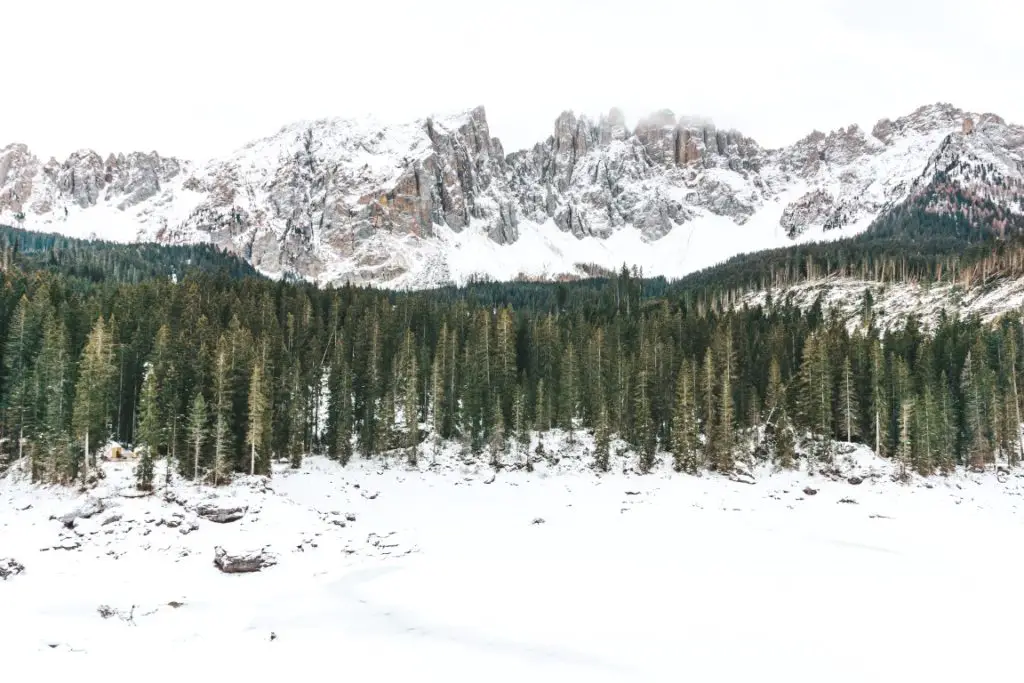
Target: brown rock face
(968,126)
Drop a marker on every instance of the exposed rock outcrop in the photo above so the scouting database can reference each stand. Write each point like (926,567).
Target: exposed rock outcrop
(10,567)
(242,562)
(221,511)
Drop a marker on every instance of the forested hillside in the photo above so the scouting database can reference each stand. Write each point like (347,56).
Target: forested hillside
(937,236)
(223,374)
(98,260)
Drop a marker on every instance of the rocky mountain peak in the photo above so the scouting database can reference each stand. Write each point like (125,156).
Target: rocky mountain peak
(433,200)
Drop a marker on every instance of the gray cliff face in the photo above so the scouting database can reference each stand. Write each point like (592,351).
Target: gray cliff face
(339,199)
(83,180)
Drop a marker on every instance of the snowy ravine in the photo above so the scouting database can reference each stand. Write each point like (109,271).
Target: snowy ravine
(445,574)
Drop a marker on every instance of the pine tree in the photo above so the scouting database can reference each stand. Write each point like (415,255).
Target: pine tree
(1016,444)
(785,446)
(410,396)
(684,423)
(972,389)
(497,440)
(346,419)
(725,440)
(849,399)
(296,419)
(505,349)
(92,391)
(569,390)
(947,428)
(645,439)
(708,410)
(602,439)
(816,398)
(197,429)
(222,415)
(258,413)
(150,432)
(18,349)
(879,400)
(438,373)
(906,451)
(521,423)
(53,384)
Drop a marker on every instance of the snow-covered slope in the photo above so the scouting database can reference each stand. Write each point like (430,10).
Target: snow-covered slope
(893,303)
(628,578)
(438,200)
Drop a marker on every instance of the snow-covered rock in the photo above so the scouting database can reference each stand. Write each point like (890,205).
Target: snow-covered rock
(222,510)
(91,506)
(438,200)
(10,567)
(243,561)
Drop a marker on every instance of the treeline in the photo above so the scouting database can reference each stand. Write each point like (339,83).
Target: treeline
(224,374)
(96,261)
(943,235)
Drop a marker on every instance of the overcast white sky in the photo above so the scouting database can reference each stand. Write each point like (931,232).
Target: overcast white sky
(198,78)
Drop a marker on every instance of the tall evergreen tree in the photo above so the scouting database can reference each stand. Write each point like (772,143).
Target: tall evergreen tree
(222,415)
(92,392)
(258,414)
(296,419)
(150,432)
(684,423)
(197,431)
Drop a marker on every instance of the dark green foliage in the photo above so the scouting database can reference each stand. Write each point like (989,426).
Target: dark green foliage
(237,364)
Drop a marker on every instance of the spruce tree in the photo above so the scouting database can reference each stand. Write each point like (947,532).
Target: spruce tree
(725,440)
(149,433)
(258,413)
(53,382)
(521,423)
(497,440)
(709,382)
(848,399)
(346,418)
(785,442)
(18,349)
(684,423)
(92,392)
(973,392)
(645,438)
(569,390)
(602,439)
(879,403)
(197,429)
(222,415)
(296,419)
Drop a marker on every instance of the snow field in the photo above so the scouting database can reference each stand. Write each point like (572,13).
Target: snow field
(629,578)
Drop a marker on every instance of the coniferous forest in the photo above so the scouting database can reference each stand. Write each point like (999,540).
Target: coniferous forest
(186,353)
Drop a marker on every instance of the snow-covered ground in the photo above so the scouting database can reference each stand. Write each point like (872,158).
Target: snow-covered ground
(445,576)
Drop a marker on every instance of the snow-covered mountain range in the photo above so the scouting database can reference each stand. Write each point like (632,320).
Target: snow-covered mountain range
(438,200)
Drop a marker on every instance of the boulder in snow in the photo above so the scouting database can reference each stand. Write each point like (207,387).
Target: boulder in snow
(810,492)
(10,567)
(91,506)
(243,561)
(221,510)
